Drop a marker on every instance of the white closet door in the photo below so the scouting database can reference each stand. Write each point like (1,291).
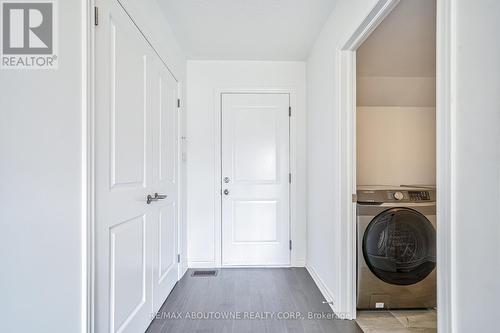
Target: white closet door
(255,185)
(164,128)
(135,133)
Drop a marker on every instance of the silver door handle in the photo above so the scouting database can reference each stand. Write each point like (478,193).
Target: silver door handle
(150,199)
(156,197)
(226,192)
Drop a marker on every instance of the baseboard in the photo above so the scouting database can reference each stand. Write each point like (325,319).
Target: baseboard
(322,287)
(202,264)
(299,263)
(184,269)
(211,264)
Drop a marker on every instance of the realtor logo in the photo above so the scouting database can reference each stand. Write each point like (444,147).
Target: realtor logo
(28,35)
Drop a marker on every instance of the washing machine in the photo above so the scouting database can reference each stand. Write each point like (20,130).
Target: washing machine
(396,236)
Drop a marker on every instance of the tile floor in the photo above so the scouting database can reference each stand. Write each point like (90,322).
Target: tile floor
(398,321)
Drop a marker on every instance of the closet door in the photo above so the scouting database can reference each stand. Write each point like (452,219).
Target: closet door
(135,151)
(123,137)
(164,128)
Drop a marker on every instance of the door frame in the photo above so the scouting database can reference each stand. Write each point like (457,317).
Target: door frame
(218,168)
(88,270)
(445,134)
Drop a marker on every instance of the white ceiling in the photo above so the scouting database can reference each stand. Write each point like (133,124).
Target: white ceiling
(247,29)
(404,44)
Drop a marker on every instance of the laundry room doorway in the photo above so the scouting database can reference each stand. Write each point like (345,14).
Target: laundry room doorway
(393,133)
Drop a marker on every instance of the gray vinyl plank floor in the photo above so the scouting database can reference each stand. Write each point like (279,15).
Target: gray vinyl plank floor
(249,300)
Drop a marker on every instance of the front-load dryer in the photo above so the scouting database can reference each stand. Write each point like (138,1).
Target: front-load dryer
(396,235)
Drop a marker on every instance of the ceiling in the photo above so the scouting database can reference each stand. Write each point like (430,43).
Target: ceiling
(247,29)
(404,44)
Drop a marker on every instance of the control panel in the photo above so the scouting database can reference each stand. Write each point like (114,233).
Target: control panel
(400,195)
(419,195)
(408,196)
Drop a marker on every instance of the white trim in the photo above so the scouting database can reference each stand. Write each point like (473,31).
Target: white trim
(180,192)
(211,264)
(346,292)
(298,262)
(446,141)
(346,129)
(88,172)
(292,92)
(327,294)
(378,13)
(202,264)
(183,271)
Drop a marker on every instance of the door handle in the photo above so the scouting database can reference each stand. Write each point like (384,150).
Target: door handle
(226,192)
(150,199)
(156,197)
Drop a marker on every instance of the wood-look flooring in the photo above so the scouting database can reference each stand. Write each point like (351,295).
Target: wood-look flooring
(249,300)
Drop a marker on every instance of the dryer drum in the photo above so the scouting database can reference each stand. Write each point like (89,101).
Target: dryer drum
(399,246)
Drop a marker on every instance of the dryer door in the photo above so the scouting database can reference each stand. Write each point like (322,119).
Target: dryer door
(399,246)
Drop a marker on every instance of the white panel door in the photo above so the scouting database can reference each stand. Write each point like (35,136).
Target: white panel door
(135,135)
(164,110)
(123,158)
(254,179)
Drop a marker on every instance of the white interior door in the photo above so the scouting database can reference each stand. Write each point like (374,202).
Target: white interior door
(135,147)
(164,128)
(255,179)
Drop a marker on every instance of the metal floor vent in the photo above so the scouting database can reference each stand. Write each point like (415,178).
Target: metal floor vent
(204,273)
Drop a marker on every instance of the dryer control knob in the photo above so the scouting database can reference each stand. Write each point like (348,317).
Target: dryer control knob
(399,196)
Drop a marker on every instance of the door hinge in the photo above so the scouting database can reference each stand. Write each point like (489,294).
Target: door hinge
(289,111)
(290,178)
(354,198)
(290,245)
(178,258)
(178,102)
(96,16)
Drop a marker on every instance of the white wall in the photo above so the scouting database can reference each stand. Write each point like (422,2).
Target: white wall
(396,145)
(40,189)
(396,130)
(204,79)
(41,119)
(396,98)
(396,91)
(477,161)
(323,137)
(406,36)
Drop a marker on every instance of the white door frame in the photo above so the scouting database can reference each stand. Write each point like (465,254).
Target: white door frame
(218,166)
(346,241)
(88,163)
(88,172)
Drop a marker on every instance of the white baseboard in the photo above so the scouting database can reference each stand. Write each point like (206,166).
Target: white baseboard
(202,264)
(212,264)
(298,263)
(327,294)
(184,269)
